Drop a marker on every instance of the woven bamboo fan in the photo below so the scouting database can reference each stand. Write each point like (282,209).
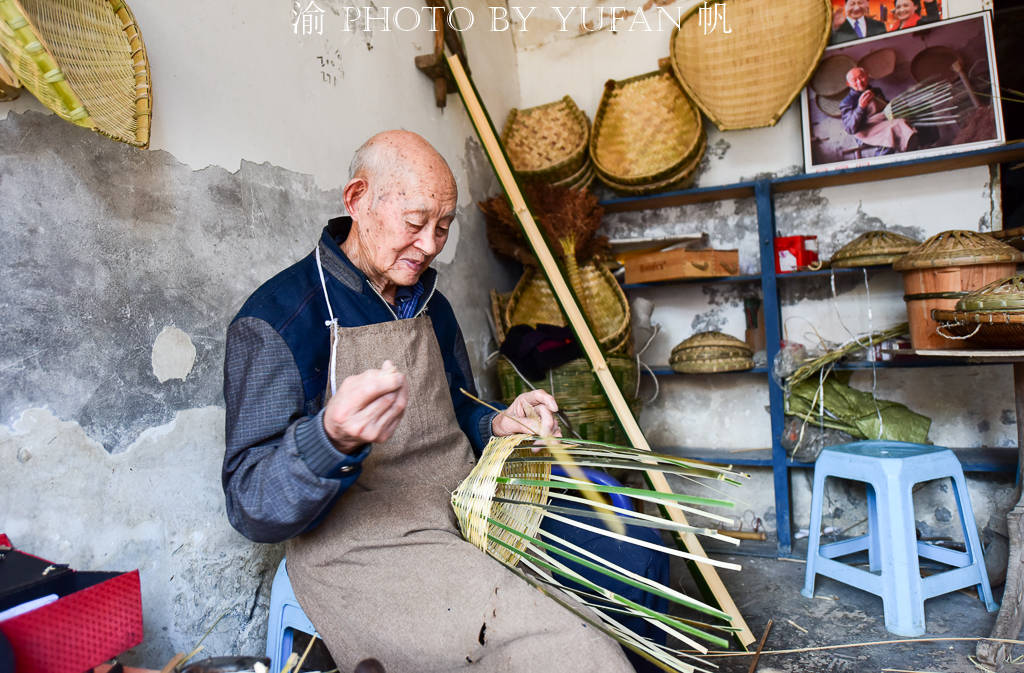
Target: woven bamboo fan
(958,247)
(681,180)
(830,76)
(645,131)
(547,143)
(604,303)
(83,59)
(878,64)
(748,77)
(711,352)
(873,247)
(501,504)
(934,61)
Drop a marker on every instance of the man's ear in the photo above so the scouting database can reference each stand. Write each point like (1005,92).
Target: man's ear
(355,191)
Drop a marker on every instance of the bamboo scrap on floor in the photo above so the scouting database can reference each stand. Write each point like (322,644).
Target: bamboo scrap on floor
(704,574)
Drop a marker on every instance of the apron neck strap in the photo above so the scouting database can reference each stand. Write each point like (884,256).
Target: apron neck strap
(332,324)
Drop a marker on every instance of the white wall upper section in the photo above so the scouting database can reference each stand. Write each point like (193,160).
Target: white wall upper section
(233,81)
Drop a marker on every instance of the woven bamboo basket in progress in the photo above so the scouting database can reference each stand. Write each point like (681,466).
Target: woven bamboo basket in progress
(748,77)
(501,505)
(990,317)
(547,143)
(942,270)
(645,131)
(872,248)
(83,59)
(709,353)
(532,302)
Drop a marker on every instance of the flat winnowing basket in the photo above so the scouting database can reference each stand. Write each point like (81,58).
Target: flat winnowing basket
(748,77)
(502,503)
(873,247)
(645,130)
(547,143)
(1006,294)
(681,180)
(958,247)
(83,59)
(603,301)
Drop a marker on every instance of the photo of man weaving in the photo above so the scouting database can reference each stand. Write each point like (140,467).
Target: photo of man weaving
(346,434)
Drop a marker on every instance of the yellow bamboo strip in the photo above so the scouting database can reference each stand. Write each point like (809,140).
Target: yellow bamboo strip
(586,338)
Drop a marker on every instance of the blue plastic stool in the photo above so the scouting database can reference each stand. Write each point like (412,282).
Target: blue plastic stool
(890,470)
(285,618)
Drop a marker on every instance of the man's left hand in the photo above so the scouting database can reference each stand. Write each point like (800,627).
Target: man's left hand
(530,412)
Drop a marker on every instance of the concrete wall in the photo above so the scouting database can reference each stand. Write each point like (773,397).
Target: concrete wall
(123,268)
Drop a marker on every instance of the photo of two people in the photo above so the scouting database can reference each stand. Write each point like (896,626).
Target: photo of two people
(856,19)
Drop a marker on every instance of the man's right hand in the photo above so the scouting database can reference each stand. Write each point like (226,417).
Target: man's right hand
(366,408)
(866,98)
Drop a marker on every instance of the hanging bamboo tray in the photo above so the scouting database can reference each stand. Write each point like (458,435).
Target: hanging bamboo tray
(829,105)
(711,352)
(83,59)
(547,143)
(532,302)
(879,63)
(829,77)
(748,77)
(645,130)
(936,61)
(871,248)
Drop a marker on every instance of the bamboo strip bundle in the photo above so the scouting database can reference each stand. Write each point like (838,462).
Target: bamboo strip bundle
(501,504)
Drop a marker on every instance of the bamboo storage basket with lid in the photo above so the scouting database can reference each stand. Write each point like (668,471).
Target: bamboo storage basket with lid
(991,317)
(942,270)
(548,143)
(711,352)
(645,131)
(873,247)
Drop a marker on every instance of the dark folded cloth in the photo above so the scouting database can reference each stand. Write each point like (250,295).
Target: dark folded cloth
(536,350)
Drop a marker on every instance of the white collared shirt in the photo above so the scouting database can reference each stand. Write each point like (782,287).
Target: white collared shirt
(859,23)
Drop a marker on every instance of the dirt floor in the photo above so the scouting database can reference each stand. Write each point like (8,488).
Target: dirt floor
(770,588)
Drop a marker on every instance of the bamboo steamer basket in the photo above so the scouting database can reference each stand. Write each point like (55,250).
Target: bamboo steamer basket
(991,317)
(645,131)
(547,143)
(941,271)
(84,60)
(748,77)
(711,352)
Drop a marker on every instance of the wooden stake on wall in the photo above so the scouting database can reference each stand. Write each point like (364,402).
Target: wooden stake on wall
(578,322)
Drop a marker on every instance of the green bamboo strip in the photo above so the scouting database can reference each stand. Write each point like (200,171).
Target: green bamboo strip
(557,482)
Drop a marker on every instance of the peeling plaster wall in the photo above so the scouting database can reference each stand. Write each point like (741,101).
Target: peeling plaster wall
(123,267)
(969,406)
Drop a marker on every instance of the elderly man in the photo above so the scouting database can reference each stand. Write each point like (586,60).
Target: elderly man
(346,435)
(863,118)
(856,23)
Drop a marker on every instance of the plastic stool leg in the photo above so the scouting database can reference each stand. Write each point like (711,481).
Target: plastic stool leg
(972,541)
(902,597)
(874,555)
(814,530)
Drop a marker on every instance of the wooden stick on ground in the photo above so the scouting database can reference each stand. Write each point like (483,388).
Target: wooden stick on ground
(760,646)
(702,573)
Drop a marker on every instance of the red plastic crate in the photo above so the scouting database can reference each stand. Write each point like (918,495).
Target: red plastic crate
(97,617)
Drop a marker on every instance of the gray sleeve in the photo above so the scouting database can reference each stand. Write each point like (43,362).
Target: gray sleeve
(281,473)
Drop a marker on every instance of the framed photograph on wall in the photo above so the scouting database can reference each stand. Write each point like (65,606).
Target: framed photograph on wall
(858,19)
(920,92)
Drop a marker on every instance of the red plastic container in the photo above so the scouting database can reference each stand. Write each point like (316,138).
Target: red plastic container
(795,252)
(97,616)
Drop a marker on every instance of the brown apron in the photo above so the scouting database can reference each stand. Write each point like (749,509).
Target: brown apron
(880,131)
(388,575)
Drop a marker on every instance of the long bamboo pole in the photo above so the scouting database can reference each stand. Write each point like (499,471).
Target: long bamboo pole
(572,311)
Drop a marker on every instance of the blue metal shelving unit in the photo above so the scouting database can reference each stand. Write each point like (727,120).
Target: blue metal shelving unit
(763,193)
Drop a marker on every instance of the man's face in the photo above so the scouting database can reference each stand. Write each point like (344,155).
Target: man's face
(857,79)
(856,8)
(403,225)
(903,9)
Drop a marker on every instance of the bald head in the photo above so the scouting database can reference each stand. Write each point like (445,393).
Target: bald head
(401,196)
(857,78)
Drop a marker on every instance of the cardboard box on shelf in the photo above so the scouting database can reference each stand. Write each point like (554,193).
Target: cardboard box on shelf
(676,264)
